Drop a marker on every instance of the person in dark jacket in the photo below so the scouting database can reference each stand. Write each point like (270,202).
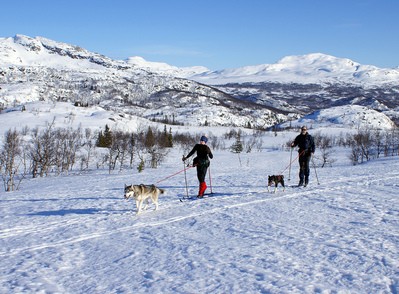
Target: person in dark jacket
(306,149)
(201,162)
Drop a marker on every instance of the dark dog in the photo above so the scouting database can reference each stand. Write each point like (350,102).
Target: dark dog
(275,179)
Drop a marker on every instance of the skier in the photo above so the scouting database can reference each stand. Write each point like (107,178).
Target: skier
(201,161)
(306,146)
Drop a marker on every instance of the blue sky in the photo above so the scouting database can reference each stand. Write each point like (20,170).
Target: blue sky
(217,34)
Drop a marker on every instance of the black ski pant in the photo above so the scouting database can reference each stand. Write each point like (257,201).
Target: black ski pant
(201,172)
(304,169)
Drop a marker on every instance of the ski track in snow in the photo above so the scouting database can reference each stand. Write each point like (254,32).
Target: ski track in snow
(339,236)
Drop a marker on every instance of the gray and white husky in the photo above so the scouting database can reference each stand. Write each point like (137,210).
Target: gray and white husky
(143,194)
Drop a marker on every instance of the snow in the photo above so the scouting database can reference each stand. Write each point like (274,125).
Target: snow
(77,234)
(65,115)
(346,116)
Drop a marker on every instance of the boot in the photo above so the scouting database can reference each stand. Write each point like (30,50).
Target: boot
(306,181)
(202,188)
(301,176)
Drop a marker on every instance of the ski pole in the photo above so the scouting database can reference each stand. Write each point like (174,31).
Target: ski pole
(291,161)
(185,168)
(289,173)
(185,176)
(314,166)
(210,179)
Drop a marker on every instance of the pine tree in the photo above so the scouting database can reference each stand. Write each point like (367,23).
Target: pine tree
(149,141)
(107,137)
(170,138)
(104,139)
(237,146)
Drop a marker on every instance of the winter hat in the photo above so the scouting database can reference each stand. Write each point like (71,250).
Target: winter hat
(203,138)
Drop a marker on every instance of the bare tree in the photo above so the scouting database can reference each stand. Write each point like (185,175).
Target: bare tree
(87,144)
(154,148)
(120,142)
(252,142)
(378,142)
(364,143)
(42,150)
(72,144)
(118,149)
(391,147)
(11,160)
(66,144)
(325,145)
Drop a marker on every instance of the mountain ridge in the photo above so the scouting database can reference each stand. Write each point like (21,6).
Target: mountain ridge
(41,69)
(38,69)
(308,68)
(303,69)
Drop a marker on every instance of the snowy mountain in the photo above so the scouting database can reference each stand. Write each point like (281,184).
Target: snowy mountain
(305,69)
(39,69)
(166,69)
(41,52)
(303,84)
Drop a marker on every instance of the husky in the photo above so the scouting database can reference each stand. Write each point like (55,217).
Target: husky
(142,194)
(275,179)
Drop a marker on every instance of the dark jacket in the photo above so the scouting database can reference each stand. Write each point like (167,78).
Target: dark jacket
(305,143)
(203,151)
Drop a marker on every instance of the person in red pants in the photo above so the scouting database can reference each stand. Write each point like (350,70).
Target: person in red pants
(201,161)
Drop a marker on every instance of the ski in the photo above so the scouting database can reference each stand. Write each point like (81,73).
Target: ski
(297,186)
(206,195)
(183,199)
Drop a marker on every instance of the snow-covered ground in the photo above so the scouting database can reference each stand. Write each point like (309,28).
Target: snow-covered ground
(76,233)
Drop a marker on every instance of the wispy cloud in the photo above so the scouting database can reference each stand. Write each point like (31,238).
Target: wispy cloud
(167,50)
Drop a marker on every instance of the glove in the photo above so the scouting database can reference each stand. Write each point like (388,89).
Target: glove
(184,158)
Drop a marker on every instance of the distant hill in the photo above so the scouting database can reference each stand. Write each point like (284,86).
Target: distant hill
(315,68)
(39,69)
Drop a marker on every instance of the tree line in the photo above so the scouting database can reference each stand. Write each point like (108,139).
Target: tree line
(50,150)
